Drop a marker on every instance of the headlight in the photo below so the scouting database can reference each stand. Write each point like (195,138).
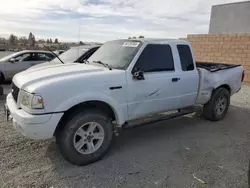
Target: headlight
(32,101)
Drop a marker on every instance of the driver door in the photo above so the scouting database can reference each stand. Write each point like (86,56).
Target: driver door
(159,90)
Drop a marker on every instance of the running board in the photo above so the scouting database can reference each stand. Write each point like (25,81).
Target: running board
(158,117)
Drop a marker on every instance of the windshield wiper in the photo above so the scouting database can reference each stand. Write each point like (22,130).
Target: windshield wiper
(104,64)
(53,53)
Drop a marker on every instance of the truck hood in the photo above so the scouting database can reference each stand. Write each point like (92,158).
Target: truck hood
(57,71)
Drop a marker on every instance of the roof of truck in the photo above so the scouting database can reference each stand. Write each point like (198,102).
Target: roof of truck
(149,40)
(153,39)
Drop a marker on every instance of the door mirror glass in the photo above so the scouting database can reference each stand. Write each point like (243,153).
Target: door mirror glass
(12,60)
(138,75)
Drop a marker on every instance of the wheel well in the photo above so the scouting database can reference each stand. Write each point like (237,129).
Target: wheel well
(102,106)
(226,87)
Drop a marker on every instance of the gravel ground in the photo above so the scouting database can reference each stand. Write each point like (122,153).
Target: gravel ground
(184,152)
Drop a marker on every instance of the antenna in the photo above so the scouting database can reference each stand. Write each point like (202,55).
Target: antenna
(53,53)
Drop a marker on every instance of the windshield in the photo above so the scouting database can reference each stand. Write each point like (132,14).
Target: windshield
(116,54)
(70,55)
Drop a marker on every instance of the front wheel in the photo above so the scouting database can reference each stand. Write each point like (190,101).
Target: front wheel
(216,108)
(86,137)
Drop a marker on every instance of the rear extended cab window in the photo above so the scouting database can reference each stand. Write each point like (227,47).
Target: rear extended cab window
(154,58)
(187,62)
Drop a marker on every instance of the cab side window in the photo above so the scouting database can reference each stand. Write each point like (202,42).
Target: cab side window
(155,58)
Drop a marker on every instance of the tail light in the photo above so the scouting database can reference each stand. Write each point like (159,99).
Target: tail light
(243,76)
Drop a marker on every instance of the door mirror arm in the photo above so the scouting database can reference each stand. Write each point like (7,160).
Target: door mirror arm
(138,75)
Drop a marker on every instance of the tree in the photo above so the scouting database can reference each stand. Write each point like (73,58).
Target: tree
(141,37)
(47,41)
(129,37)
(31,39)
(56,41)
(50,40)
(134,37)
(23,41)
(41,41)
(13,39)
(81,42)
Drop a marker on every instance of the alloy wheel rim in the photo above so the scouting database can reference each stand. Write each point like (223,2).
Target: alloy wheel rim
(221,105)
(88,138)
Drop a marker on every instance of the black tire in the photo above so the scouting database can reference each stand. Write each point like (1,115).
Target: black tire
(209,109)
(65,137)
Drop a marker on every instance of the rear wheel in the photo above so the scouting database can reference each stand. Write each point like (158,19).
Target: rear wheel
(86,137)
(216,108)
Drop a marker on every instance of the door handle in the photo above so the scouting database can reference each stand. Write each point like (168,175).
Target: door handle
(175,79)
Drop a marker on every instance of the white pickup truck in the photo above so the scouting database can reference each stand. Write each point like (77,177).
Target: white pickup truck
(82,105)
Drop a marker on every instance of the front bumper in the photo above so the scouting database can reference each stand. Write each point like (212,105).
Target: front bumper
(32,126)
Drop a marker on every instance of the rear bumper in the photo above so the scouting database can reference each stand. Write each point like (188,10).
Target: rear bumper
(32,126)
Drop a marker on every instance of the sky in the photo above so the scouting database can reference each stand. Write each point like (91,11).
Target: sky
(103,20)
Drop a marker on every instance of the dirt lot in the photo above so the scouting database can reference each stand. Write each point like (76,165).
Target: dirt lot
(184,152)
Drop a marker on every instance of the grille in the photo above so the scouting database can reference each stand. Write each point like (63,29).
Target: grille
(15,91)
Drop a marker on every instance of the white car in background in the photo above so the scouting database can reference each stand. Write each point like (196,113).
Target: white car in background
(20,61)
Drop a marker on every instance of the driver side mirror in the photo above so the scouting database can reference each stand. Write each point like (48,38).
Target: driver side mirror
(12,60)
(138,75)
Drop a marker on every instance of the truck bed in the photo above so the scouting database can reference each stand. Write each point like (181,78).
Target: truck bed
(214,75)
(213,67)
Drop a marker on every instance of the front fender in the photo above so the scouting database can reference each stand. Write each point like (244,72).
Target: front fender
(120,110)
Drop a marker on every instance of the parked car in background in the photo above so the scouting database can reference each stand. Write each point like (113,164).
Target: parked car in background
(20,61)
(75,54)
